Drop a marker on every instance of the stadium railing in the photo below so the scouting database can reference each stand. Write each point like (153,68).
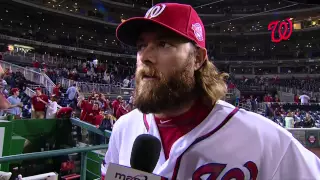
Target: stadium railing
(298,91)
(55,153)
(31,75)
(261,106)
(86,87)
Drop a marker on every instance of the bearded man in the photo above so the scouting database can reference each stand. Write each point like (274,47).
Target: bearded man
(177,96)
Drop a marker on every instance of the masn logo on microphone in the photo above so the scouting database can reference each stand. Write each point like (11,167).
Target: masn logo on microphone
(121,176)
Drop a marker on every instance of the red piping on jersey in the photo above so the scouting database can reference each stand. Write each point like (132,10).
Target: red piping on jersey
(199,139)
(145,122)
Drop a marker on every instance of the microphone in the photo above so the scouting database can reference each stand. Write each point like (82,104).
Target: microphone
(145,153)
(144,157)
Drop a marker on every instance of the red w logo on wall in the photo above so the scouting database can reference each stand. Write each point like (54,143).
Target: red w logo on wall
(280,30)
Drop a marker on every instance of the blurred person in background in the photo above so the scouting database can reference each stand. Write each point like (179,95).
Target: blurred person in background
(126,82)
(268,98)
(308,122)
(105,102)
(116,104)
(3,94)
(289,121)
(95,116)
(96,99)
(9,79)
(95,63)
(131,102)
(276,98)
(92,95)
(52,108)
(127,106)
(253,103)
(39,102)
(122,109)
(20,81)
(97,121)
(277,113)
(72,93)
(15,103)
(64,112)
(57,91)
(304,99)
(106,77)
(106,124)
(86,115)
(95,110)
(36,65)
(3,86)
(133,82)
(86,107)
(89,110)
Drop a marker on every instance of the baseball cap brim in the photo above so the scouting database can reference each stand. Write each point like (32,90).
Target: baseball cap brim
(129,31)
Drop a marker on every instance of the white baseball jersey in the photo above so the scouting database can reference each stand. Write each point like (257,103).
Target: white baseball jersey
(229,143)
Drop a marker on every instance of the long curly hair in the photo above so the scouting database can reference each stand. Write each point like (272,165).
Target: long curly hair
(211,82)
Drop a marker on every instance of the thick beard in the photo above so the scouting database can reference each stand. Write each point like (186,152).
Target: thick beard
(166,93)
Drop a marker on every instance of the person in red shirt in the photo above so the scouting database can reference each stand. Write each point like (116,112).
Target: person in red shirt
(84,70)
(64,112)
(91,117)
(89,109)
(97,120)
(85,106)
(44,66)
(105,102)
(36,64)
(231,86)
(94,111)
(268,98)
(39,102)
(122,110)
(56,91)
(116,104)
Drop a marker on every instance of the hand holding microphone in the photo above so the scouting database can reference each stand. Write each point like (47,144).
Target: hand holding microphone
(144,157)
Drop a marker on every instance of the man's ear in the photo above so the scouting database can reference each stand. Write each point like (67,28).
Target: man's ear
(201,57)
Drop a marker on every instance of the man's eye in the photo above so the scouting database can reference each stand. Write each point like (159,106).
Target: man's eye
(140,46)
(164,44)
